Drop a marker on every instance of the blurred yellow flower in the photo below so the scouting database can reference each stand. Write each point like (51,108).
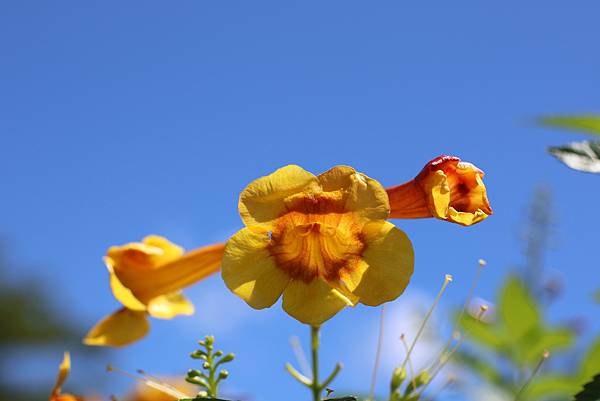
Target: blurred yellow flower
(447,188)
(321,241)
(63,373)
(146,278)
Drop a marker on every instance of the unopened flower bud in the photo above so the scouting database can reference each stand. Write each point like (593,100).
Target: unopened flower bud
(227,358)
(422,378)
(398,377)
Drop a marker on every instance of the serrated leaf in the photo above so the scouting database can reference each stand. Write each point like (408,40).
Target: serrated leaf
(581,156)
(591,390)
(589,123)
(518,310)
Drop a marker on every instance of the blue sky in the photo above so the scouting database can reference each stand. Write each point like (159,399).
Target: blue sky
(120,120)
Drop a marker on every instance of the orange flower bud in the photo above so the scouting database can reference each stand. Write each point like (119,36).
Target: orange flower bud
(447,188)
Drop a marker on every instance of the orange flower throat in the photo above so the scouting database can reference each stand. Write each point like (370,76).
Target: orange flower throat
(316,237)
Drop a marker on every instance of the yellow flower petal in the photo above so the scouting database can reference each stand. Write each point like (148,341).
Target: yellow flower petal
(121,328)
(170,251)
(263,200)
(63,373)
(436,185)
(362,194)
(170,305)
(466,218)
(386,266)
(249,269)
(182,272)
(313,303)
(122,293)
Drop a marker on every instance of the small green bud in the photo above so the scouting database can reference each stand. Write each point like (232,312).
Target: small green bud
(227,358)
(209,340)
(398,377)
(206,365)
(223,374)
(194,373)
(198,354)
(422,378)
(218,353)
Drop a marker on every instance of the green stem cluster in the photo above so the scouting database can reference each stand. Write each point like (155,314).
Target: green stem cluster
(209,379)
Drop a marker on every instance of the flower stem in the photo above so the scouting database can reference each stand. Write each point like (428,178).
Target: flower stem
(314,347)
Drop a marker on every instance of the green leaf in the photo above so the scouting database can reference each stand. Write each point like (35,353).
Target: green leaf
(482,332)
(351,398)
(518,310)
(481,367)
(551,340)
(582,156)
(590,365)
(552,384)
(589,123)
(591,390)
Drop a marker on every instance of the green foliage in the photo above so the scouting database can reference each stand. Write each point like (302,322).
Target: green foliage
(209,379)
(591,390)
(518,338)
(589,123)
(582,156)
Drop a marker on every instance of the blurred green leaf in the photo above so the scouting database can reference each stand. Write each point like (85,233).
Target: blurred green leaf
(518,310)
(548,339)
(589,123)
(481,367)
(591,390)
(481,332)
(590,365)
(555,385)
(582,156)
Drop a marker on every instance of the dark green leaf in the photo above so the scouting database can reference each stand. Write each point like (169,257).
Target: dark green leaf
(518,310)
(591,390)
(585,123)
(581,156)
(351,398)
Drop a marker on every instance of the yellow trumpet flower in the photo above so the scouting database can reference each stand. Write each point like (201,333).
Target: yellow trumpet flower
(321,241)
(146,278)
(63,373)
(447,188)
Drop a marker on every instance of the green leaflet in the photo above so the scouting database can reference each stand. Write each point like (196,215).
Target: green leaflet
(518,310)
(589,123)
(591,390)
(581,156)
